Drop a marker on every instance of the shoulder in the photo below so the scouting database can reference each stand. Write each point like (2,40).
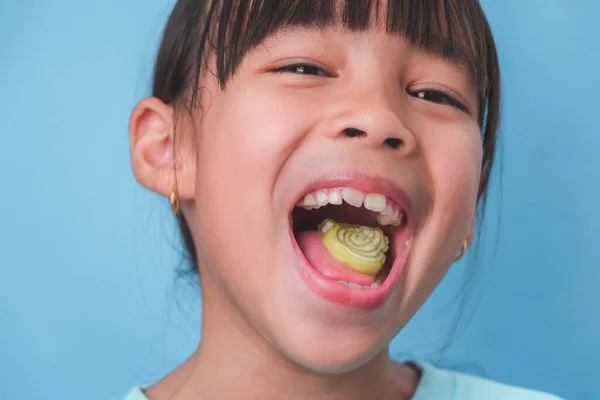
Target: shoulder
(135,394)
(441,384)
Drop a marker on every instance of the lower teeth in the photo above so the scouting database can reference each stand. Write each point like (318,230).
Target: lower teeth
(357,286)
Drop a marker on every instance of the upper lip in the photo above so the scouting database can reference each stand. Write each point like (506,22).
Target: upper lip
(360,181)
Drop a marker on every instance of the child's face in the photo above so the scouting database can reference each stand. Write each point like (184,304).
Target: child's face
(270,138)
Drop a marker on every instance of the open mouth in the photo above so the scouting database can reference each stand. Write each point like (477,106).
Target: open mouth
(362,211)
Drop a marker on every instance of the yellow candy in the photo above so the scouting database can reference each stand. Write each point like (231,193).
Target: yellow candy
(360,248)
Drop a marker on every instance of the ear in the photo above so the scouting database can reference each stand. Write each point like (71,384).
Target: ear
(471,232)
(151,137)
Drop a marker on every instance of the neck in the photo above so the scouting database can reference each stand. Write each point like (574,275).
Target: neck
(235,361)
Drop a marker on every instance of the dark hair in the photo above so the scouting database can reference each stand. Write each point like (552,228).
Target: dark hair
(224,31)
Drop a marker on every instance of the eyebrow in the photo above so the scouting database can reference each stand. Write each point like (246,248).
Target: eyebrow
(441,47)
(450,50)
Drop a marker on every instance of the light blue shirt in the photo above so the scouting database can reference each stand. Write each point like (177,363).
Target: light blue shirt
(440,384)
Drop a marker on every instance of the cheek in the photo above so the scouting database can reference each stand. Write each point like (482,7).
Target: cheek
(246,137)
(242,142)
(454,160)
(248,133)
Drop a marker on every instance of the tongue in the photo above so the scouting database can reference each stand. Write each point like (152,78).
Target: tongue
(311,244)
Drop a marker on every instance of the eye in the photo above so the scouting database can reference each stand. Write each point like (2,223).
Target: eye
(302,69)
(435,96)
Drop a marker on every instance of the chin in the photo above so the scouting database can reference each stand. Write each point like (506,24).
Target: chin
(328,357)
(314,338)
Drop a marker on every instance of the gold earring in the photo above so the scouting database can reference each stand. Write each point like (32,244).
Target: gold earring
(175,201)
(463,250)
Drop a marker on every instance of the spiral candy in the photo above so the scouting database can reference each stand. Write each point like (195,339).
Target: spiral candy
(360,248)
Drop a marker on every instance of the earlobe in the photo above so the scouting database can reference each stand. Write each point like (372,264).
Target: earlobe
(471,232)
(151,137)
(468,240)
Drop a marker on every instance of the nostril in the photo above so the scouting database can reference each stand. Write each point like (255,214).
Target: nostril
(353,132)
(394,143)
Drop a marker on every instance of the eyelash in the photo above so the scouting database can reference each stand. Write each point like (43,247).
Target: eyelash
(439,97)
(295,68)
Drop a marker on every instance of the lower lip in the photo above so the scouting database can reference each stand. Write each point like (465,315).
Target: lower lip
(356,298)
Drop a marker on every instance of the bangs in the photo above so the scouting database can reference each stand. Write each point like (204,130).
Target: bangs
(451,29)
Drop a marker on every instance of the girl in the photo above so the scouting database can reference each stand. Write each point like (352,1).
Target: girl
(325,160)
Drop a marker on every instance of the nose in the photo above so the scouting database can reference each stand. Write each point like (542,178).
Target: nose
(377,125)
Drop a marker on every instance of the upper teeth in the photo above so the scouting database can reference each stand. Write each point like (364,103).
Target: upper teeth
(388,213)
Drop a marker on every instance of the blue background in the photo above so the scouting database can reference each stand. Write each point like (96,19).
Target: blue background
(89,304)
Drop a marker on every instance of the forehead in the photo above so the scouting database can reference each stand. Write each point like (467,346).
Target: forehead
(453,30)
